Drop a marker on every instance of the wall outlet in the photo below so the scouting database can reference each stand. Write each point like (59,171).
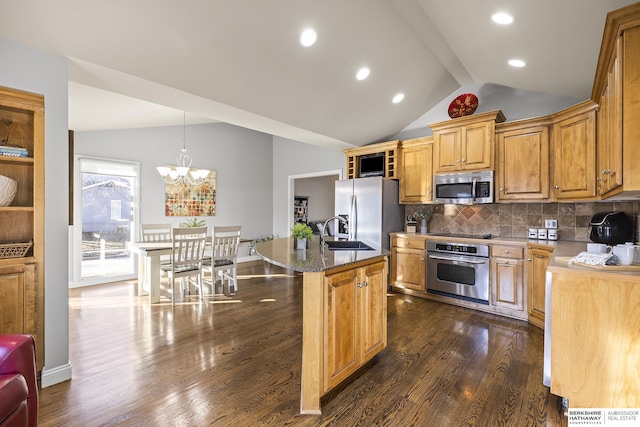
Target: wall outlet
(550,223)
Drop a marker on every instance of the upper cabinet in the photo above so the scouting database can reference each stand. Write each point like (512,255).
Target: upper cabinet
(574,152)
(416,173)
(22,221)
(522,169)
(466,143)
(615,89)
(384,158)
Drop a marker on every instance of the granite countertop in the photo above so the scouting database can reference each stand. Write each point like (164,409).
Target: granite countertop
(281,252)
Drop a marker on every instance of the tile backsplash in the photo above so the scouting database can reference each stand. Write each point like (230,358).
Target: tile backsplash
(514,219)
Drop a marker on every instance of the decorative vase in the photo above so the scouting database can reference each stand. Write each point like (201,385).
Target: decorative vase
(8,189)
(299,243)
(423,226)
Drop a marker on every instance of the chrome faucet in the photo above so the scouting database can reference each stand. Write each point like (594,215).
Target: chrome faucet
(324,228)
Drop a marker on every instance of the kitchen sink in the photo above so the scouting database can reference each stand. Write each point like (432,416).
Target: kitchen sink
(348,245)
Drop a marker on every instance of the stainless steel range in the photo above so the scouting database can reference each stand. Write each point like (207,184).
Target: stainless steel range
(459,270)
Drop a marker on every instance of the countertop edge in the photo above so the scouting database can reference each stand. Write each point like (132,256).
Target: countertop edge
(280,252)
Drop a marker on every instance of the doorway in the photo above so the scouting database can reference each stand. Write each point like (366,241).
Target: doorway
(105,211)
(319,187)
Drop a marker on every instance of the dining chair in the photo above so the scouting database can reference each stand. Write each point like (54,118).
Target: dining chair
(187,253)
(225,242)
(156,233)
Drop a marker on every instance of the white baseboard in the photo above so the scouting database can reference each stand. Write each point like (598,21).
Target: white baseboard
(56,375)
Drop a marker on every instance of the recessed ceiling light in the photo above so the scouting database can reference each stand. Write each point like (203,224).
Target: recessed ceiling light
(363,73)
(502,18)
(308,37)
(399,97)
(519,63)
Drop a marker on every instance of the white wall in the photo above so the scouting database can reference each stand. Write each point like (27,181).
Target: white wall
(294,158)
(35,71)
(515,104)
(240,157)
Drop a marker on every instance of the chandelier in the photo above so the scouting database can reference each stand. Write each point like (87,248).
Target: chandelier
(182,173)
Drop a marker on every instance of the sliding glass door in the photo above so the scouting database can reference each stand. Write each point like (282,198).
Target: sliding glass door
(105,212)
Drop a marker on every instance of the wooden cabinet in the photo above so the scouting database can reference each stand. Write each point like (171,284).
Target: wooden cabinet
(522,170)
(574,153)
(408,263)
(416,172)
(390,150)
(616,87)
(594,337)
(538,261)
(609,142)
(465,143)
(507,281)
(22,278)
(355,324)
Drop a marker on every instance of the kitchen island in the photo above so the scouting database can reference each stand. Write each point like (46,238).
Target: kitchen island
(594,334)
(344,320)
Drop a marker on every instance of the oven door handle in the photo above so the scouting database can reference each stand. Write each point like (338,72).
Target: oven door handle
(459,259)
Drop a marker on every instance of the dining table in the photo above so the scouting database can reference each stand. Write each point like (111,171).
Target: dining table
(149,254)
(149,260)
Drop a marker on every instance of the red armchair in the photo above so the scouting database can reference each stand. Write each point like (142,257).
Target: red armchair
(18,383)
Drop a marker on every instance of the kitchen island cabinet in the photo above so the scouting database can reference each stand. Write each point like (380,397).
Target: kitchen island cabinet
(344,321)
(594,337)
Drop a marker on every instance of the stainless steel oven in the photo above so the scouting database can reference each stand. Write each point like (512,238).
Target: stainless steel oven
(460,270)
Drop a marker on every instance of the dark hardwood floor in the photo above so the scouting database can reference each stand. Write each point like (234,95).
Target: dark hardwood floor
(237,363)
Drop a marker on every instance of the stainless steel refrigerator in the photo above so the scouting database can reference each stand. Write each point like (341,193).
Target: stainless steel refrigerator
(371,207)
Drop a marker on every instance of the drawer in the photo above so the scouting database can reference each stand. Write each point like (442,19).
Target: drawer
(506,251)
(408,242)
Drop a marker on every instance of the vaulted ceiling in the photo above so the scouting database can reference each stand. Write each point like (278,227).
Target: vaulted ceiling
(139,63)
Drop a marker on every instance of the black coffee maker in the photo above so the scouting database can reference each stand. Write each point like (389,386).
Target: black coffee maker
(611,228)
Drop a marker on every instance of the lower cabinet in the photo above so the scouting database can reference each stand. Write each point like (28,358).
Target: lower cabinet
(408,263)
(355,325)
(18,300)
(538,260)
(507,278)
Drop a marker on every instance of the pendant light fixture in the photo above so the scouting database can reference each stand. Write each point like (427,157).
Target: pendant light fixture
(182,172)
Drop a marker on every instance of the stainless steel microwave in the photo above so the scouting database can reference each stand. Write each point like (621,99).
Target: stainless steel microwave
(463,188)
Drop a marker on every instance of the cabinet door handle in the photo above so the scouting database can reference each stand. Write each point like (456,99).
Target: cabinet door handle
(557,187)
(360,285)
(529,259)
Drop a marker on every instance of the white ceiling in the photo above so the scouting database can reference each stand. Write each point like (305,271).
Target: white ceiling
(141,63)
